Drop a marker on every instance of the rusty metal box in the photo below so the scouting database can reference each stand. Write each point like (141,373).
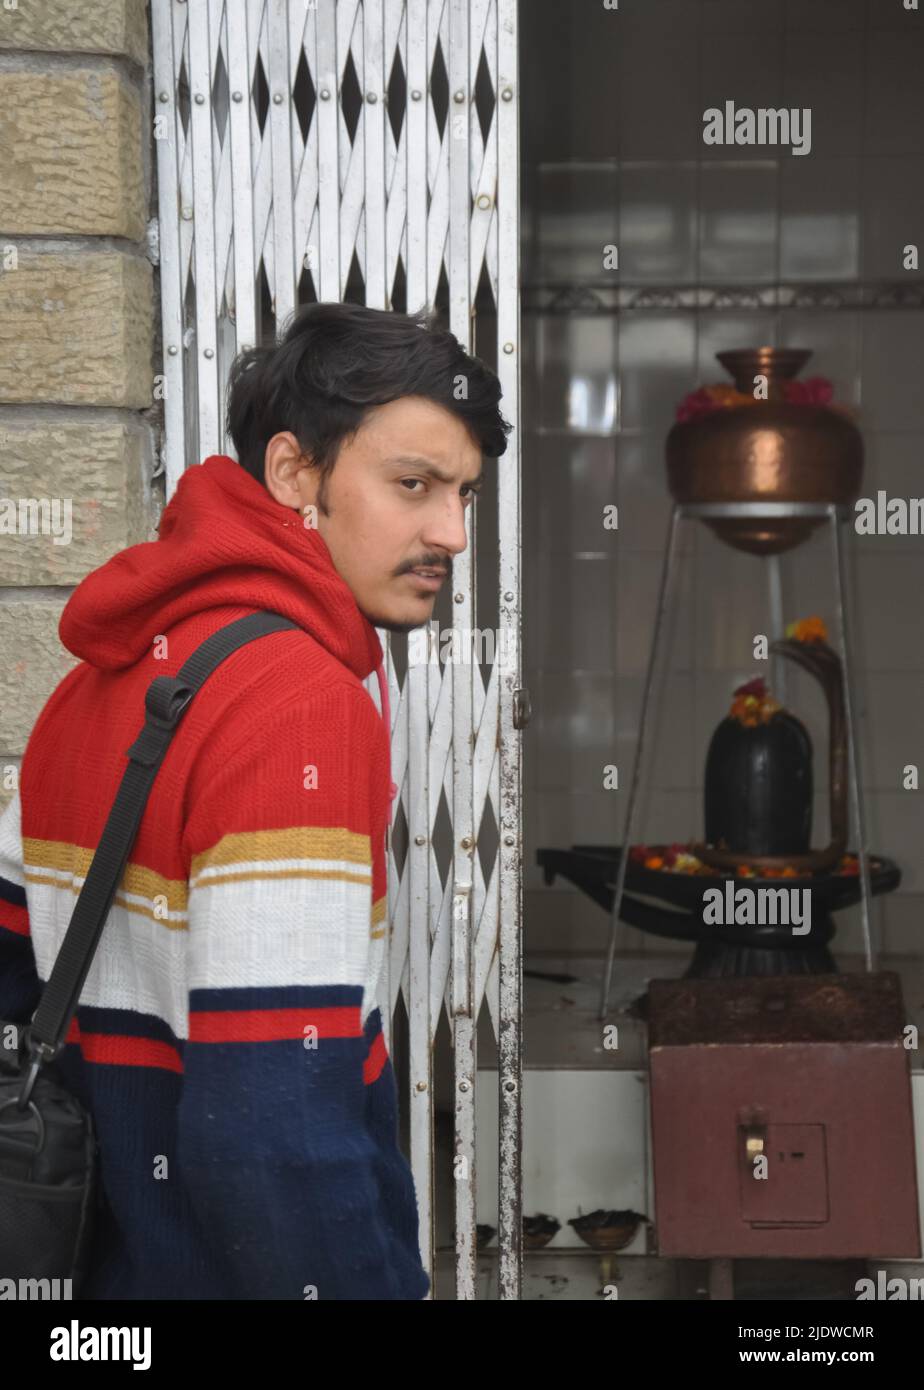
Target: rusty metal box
(781,1118)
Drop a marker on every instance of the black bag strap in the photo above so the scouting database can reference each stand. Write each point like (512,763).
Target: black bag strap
(165,702)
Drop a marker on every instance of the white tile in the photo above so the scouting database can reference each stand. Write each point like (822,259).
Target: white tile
(738,222)
(577,363)
(903,917)
(892,353)
(894,733)
(893,465)
(639,585)
(894,91)
(653,101)
(890,612)
(735,68)
(572,616)
(836,343)
(576,726)
(669,755)
(657,367)
(824,72)
(657,228)
(645,503)
(901,817)
(571,482)
(577,216)
(731,603)
(820,219)
(893,214)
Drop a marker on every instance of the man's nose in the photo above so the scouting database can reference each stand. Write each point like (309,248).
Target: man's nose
(445,530)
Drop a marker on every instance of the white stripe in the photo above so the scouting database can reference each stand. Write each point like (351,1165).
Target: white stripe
(249,866)
(11,842)
(255,934)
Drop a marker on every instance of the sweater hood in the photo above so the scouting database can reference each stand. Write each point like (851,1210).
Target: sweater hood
(222,541)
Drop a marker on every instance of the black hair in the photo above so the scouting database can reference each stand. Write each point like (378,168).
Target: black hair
(336,361)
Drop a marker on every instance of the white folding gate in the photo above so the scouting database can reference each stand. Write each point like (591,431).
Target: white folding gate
(300,144)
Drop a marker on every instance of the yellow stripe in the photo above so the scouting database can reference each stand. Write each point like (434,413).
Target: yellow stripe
(76,859)
(119,900)
(294,842)
(260,875)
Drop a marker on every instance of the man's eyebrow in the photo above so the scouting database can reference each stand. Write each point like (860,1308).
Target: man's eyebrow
(415,461)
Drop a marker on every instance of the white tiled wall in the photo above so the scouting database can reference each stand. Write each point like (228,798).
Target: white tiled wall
(620,159)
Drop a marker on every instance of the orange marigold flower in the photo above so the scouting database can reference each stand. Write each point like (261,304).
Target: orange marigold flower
(808,630)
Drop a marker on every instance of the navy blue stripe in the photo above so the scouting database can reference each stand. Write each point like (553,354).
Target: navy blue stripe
(127,1022)
(12,892)
(276,997)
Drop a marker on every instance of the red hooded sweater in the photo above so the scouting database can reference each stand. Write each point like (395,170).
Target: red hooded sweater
(228,1040)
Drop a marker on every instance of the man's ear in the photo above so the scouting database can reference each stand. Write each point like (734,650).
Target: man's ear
(283,462)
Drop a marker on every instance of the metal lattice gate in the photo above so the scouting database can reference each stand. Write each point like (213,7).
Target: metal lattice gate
(302,144)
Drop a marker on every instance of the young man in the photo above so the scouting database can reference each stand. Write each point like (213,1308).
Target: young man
(228,1041)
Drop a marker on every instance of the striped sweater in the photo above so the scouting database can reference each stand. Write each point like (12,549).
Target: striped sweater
(228,1041)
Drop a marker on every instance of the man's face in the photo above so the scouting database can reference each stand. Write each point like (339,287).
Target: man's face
(395,502)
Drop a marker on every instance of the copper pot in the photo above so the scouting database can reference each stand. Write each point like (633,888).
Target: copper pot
(772,451)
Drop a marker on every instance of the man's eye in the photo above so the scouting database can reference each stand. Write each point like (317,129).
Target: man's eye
(410,480)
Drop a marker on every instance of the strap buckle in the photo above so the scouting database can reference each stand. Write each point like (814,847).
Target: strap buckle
(165,700)
(40,1052)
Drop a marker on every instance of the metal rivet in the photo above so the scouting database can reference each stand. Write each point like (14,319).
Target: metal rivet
(420,839)
(172,350)
(508,347)
(200,99)
(164,96)
(209,352)
(465,1085)
(277,98)
(458,96)
(507,94)
(466,841)
(483,200)
(416,94)
(421,1086)
(325,94)
(510,1087)
(237,96)
(458,598)
(371,98)
(186,214)
(508,596)
(509,840)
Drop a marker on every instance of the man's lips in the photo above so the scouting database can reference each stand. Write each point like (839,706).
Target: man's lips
(429,577)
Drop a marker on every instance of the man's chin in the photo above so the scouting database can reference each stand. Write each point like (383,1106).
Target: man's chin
(392,624)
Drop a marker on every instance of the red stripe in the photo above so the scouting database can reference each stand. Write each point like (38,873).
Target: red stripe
(378,1056)
(15,917)
(271,1025)
(124,1051)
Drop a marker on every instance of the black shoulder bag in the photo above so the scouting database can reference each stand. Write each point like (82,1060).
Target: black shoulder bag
(49,1172)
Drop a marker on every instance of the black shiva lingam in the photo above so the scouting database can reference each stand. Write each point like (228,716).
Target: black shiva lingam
(758,820)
